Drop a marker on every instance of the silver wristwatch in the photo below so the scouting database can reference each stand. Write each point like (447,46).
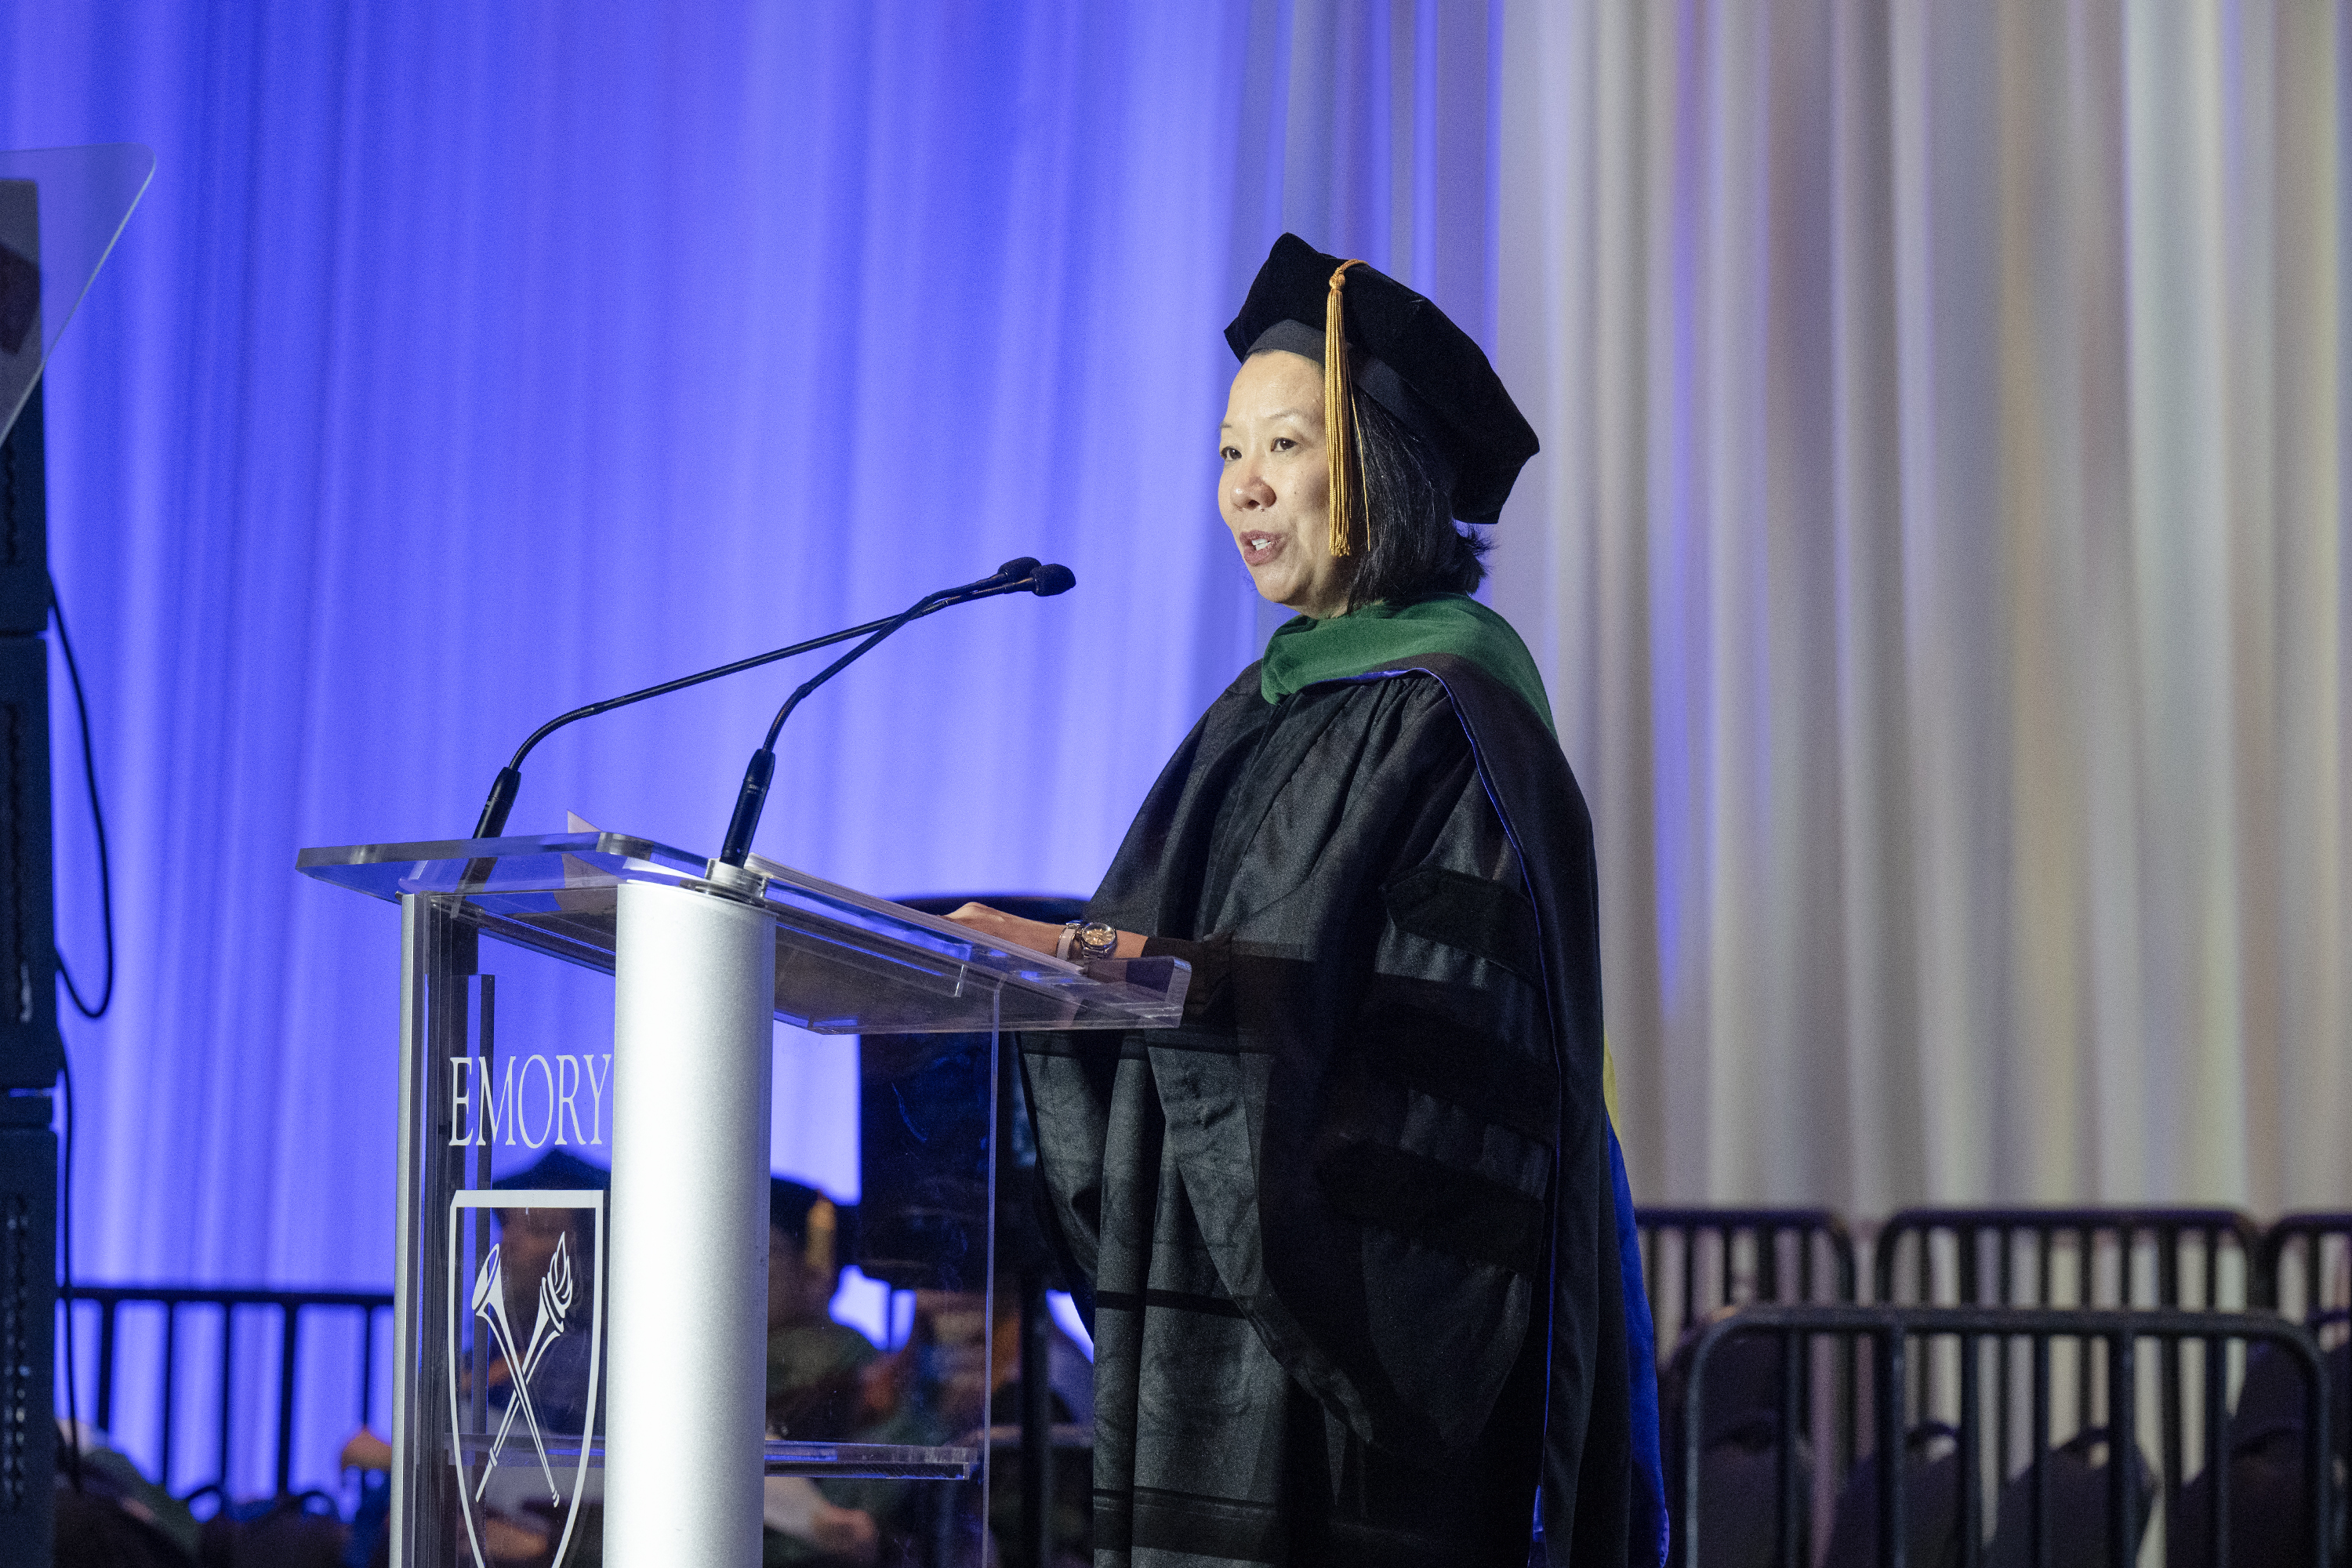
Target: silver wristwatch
(1083,941)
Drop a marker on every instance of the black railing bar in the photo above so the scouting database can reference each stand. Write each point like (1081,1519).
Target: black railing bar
(227,1387)
(2003,1354)
(104,1404)
(2086,1268)
(2123,1448)
(289,1321)
(1971,1456)
(2172,1360)
(1893,1451)
(2217,1444)
(171,1379)
(2040,1439)
(2319,1470)
(1846,1358)
(1785,1460)
(367,1370)
(2173,1371)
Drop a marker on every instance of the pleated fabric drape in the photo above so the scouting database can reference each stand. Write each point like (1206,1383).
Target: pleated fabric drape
(1938,562)
(465,364)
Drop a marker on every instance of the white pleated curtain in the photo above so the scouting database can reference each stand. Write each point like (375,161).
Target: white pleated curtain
(1936,560)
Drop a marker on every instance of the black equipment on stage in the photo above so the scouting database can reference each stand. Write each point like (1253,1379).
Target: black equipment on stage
(24,526)
(31,1054)
(28,1295)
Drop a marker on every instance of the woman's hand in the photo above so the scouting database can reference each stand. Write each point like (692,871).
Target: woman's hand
(1037,936)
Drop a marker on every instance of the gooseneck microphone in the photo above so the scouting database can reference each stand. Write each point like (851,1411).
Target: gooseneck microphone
(1022,576)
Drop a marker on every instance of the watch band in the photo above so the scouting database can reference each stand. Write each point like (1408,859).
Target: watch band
(1086,942)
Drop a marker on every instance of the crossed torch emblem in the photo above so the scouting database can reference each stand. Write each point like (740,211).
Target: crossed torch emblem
(548,1325)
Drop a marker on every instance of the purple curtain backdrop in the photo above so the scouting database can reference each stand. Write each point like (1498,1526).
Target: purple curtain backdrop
(462,365)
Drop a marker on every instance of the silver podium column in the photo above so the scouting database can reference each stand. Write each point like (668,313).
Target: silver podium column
(693,1035)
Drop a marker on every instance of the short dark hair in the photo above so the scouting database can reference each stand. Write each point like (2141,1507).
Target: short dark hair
(1415,548)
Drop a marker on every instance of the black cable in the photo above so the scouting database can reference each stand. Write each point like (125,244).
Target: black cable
(64,1282)
(98,822)
(105,1000)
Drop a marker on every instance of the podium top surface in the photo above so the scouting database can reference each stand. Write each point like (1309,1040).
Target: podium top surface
(847,962)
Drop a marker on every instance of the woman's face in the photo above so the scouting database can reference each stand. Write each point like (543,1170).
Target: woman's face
(1274,493)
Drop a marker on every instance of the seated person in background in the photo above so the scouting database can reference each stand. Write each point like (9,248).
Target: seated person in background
(819,1374)
(815,1365)
(110,1515)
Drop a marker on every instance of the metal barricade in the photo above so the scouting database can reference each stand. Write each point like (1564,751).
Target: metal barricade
(2306,1268)
(293,1309)
(2070,1258)
(2017,1485)
(2205,1259)
(1695,1261)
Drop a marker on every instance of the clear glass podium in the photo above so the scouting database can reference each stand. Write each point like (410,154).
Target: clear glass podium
(592,1366)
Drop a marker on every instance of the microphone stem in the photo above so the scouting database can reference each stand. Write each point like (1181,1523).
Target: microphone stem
(666,687)
(753,797)
(493,820)
(827,673)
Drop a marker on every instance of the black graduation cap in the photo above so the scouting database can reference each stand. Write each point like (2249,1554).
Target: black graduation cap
(1408,359)
(824,1230)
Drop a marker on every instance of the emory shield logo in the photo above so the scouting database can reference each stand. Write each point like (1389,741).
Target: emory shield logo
(526,1340)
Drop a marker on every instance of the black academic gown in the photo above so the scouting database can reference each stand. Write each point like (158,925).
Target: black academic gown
(1350,1230)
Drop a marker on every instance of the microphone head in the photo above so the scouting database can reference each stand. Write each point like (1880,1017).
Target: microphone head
(1020,566)
(1047,580)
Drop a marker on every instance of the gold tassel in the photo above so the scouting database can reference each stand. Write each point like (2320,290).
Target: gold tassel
(1340,422)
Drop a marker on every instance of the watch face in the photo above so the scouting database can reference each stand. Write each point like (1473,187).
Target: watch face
(1097,940)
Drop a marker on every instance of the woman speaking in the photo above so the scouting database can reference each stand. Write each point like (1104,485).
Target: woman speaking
(1358,1235)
